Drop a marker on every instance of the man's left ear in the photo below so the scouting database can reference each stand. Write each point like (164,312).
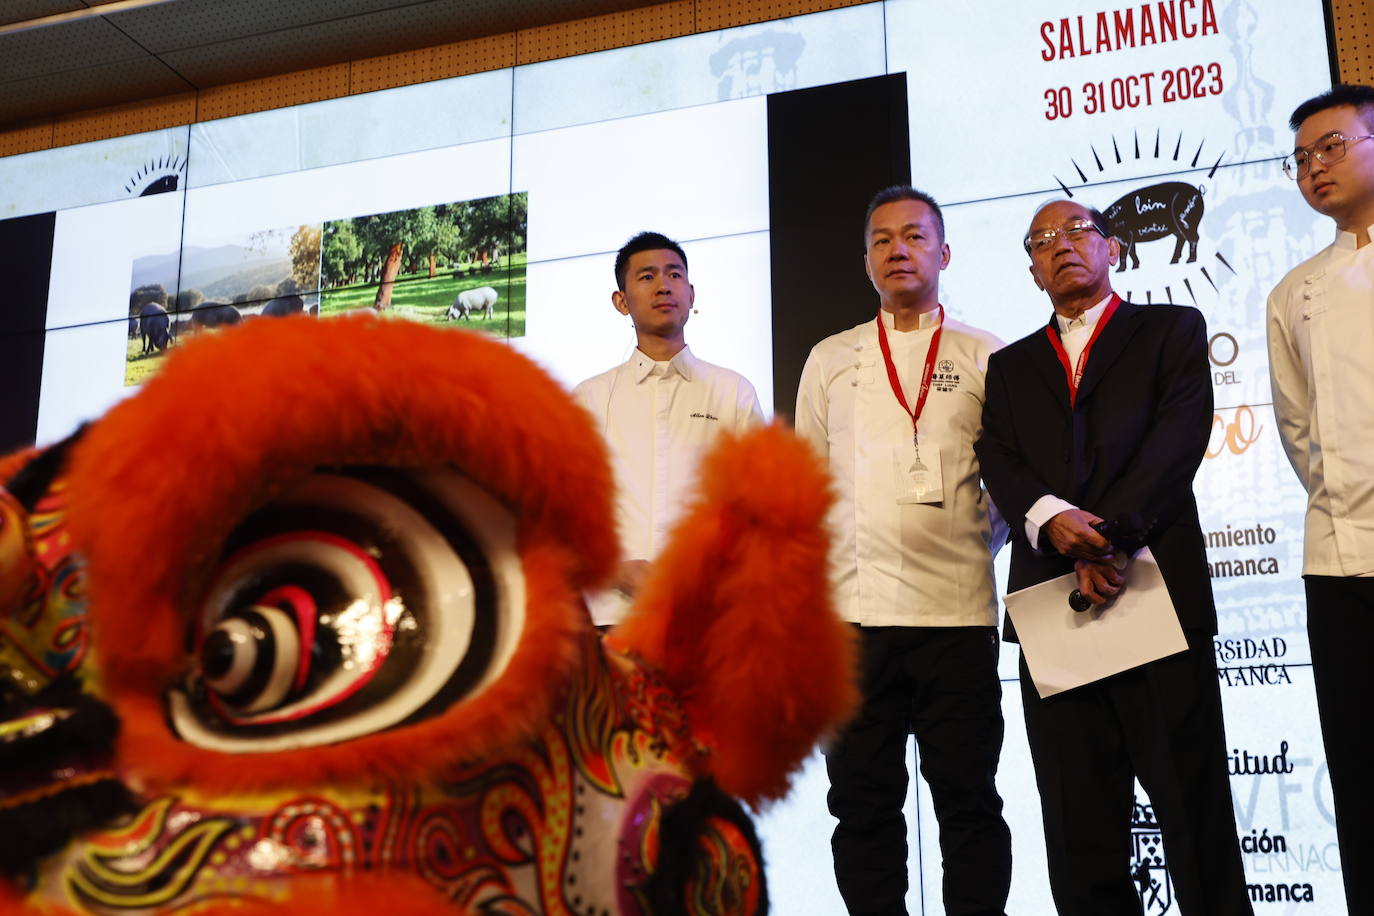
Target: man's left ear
(944,255)
(1113,250)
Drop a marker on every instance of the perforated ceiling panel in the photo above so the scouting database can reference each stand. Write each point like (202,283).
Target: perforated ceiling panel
(88,43)
(21,10)
(182,25)
(106,84)
(133,54)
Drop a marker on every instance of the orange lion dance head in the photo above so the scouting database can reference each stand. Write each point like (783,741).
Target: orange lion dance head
(299,627)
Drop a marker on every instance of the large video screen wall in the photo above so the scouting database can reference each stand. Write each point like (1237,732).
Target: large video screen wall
(496,202)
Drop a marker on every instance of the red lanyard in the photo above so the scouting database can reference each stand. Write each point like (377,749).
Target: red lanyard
(1075,375)
(925,372)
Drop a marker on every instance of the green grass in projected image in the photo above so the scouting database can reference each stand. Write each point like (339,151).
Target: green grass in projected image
(415,263)
(138,367)
(419,297)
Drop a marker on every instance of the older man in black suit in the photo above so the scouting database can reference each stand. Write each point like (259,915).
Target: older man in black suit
(1099,421)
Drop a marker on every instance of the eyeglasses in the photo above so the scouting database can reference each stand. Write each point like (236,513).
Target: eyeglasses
(1327,149)
(1075,232)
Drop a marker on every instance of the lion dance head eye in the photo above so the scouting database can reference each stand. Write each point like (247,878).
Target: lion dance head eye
(356,602)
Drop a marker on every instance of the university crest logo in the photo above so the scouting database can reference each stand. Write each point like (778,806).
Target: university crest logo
(1148,867)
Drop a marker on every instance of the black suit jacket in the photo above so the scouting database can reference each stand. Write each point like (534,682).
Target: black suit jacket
(1127,449)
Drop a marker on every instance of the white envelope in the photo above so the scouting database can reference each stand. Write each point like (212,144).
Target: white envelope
(1065,648)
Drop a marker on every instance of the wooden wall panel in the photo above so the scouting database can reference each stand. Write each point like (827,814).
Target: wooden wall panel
(599,33)
(721,14)
(458,58)
(1354,21)
(273,92)
(154,114)
(26,139)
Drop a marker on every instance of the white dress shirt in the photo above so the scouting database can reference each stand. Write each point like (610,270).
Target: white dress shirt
(658,418)
(1075,334)
(1321,369)
(894,564)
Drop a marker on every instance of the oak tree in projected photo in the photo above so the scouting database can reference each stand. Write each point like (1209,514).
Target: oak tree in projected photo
(461,263)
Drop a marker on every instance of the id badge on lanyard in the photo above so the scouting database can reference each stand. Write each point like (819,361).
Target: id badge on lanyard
(916,462)
(917,466)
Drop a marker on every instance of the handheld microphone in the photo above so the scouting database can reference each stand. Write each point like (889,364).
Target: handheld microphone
(1078,601)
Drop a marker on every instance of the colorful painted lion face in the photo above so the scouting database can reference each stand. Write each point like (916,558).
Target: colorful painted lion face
(334,615)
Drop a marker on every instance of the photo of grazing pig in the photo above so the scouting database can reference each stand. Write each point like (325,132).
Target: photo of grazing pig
(214,315)
(154,327)
(482,299)
(1170,208)
(282,306)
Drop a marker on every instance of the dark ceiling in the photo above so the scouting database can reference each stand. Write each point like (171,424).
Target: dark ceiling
(161,48)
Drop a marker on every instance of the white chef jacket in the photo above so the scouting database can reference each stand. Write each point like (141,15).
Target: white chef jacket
(658,419)
(1321,369)
(891,564)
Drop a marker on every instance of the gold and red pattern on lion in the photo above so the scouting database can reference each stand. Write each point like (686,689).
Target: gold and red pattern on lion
(298,628)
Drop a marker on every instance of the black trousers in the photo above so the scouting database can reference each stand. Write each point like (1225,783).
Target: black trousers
(1340,630)
(939,683)
(1160,723)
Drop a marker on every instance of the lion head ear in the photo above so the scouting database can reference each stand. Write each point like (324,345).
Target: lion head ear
(738,605)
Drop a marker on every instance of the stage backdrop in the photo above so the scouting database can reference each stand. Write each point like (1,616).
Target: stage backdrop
(517,186)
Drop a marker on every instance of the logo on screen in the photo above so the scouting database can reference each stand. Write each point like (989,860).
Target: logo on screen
(1168,210)
(157,177)
(1148,868)
(1150,216)
(757,63)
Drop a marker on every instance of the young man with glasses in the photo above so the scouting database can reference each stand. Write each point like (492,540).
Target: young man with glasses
(1104,415)
(1321,369)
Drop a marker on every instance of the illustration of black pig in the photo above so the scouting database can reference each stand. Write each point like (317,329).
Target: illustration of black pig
(1170,208)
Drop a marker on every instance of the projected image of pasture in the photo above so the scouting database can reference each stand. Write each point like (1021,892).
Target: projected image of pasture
(268,273)
(458,264)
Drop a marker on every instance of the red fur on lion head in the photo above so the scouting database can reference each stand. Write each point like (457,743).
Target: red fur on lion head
(164,477)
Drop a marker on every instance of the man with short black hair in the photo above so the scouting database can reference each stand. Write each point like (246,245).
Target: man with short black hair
(1321,370)
(894,405)
(1104,414)
(659,411)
